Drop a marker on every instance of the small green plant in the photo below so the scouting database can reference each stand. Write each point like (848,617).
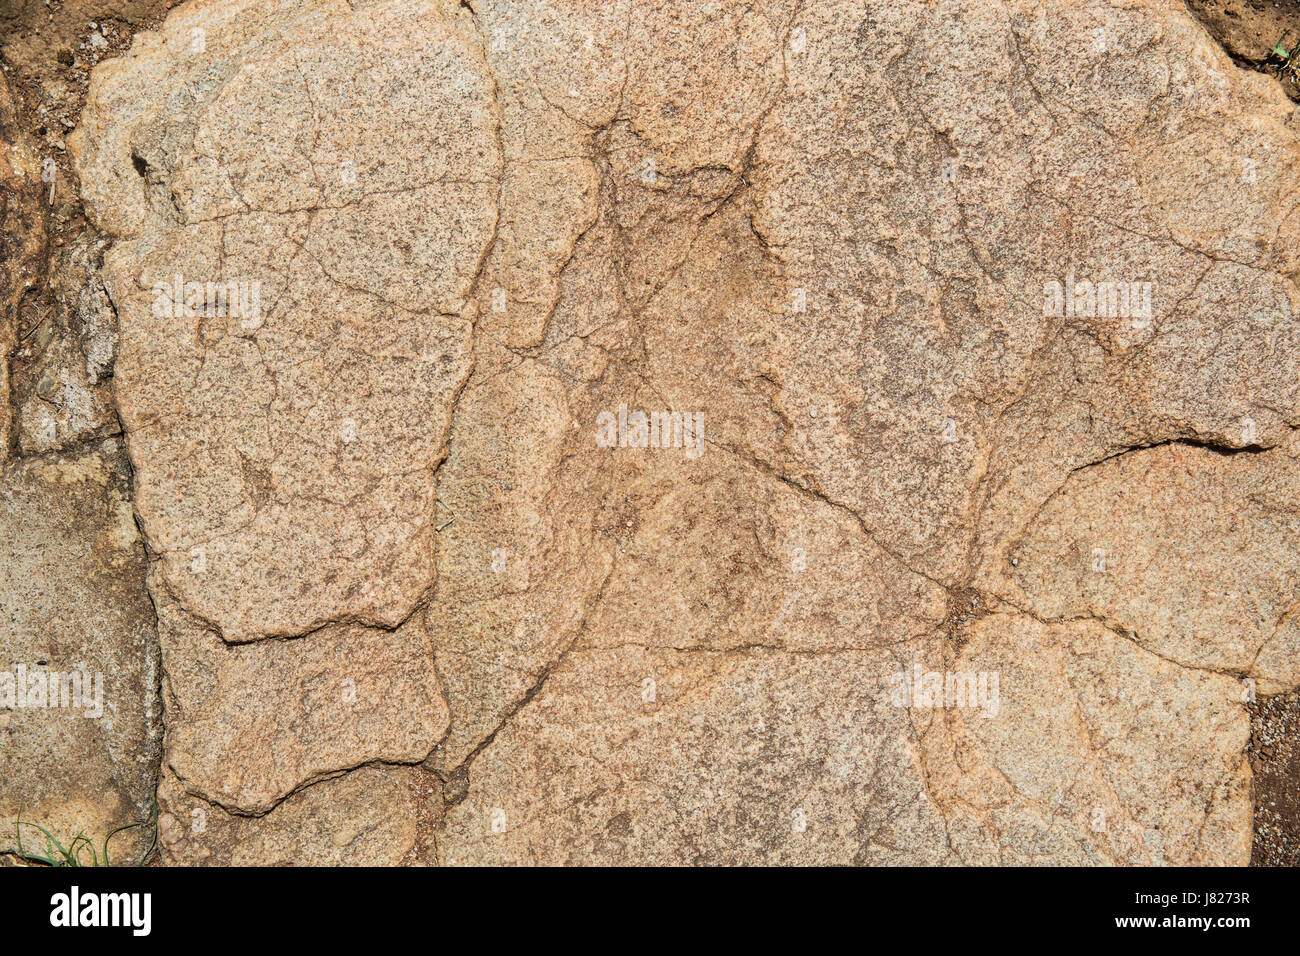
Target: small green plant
(74,854)
(1287,61)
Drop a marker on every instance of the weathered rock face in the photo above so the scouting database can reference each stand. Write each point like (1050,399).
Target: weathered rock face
(960,531)
(251,723)
(22,243)
(80,716)
(1217,593)
(61,388)
(287,421)
(376,816)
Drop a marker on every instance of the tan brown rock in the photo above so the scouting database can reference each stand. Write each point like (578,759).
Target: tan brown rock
(1100,753)
(1215,591)
(943,298)
(757,756)
(315,382)
(249,724)
(80,727)
(374,816)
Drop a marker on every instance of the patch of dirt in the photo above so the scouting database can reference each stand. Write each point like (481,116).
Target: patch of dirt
(47,50)
(1250,29)
(1275,760)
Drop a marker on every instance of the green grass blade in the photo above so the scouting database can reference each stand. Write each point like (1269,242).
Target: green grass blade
(129,826)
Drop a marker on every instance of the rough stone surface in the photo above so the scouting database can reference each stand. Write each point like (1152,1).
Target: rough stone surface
(22,243)
(249,724)
(1217,593)
(375,816)
(314,412)
(1101,753)
(61,384)
(383,530)
(72,600)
